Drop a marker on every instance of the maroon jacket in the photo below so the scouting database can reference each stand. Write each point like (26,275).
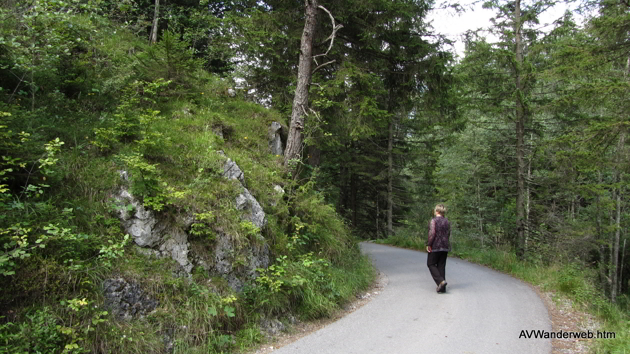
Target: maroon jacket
(439,233)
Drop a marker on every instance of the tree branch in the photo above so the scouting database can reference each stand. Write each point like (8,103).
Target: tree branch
(320,66)
(332,35)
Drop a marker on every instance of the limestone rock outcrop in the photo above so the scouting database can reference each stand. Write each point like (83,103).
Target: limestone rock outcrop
(252,256)
(235,261)
(275,139)
(127,300)
(147,231)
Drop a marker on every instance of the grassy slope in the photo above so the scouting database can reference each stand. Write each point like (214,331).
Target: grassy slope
(167,140)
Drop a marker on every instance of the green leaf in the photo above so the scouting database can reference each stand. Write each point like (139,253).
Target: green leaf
(229,311)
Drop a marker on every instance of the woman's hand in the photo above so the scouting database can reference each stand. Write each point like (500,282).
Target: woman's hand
(429,249)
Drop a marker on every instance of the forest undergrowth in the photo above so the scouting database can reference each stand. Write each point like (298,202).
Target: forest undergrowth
(107,102)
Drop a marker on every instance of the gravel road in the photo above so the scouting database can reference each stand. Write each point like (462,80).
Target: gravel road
(483,312)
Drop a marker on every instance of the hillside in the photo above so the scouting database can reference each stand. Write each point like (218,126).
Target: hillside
(183,176)
(143,210)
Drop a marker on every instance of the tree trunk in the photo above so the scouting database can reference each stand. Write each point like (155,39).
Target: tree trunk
(314,156)
(520,133)
(600,238)
(615,252)
(527,196)
(390,177)
(623,259)
(154,28)
(479,213)
(300,101)
(353,198)
(377,216)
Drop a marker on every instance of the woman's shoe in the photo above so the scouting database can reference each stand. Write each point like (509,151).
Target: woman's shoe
(442,287)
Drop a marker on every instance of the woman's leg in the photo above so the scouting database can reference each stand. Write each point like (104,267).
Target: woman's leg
(433,259)
(441,264)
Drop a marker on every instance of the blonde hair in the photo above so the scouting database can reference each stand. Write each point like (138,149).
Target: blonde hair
(440,209)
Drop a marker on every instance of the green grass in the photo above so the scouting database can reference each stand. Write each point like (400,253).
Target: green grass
(322,269)
(164,135)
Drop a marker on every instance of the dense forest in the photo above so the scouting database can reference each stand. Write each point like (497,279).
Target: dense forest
(522,137)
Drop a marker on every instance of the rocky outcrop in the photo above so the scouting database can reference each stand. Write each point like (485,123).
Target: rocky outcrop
(126,300)
(272,327)
(245,201)
(252,211)
(275,139)
(160,237)
(231,170)
(238,273)
(236,262)
(226,252)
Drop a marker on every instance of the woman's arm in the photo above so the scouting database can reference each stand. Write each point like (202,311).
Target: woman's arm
(431,233)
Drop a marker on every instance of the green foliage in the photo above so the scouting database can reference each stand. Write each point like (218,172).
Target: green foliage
(113,251)
(17,237)
(37,334)
(202,227)
(312,286)
(82,97)
(170,59)
(134,120)
(146,181)
(406,238)
(44,332)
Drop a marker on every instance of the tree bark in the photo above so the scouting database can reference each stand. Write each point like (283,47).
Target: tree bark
(390,177)
(600,238)
(314,156)
(154,28)
(615,252)
(623,260)
(353,198)
(527,196)
(479,213)
(520,133)
(377,216)
(300,100)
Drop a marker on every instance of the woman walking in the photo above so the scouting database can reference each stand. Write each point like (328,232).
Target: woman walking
(438,246)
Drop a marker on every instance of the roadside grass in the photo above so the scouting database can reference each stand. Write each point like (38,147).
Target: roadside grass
(571,280)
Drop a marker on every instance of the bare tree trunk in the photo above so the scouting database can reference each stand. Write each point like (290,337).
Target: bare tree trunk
(479,214)
(527,195)
(520,133)
(615,255)
(390,177)
(377,216)
(353,198)
(33,88)
(623,259)
(615,252)
(154,28)
(300,101)
(314,156)
(600,237)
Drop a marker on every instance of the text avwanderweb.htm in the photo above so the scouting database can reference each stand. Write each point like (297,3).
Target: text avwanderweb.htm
(542,334)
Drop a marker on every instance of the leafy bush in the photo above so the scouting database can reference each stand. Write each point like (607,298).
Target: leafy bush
(37,334)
